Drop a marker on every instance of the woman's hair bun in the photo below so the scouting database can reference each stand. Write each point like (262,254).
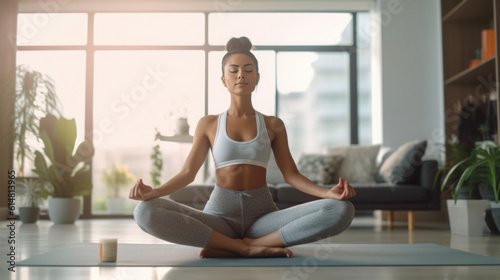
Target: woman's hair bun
(241,44)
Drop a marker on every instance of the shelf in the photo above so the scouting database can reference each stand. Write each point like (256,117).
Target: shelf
(183,138)
(471,75)
(470,10)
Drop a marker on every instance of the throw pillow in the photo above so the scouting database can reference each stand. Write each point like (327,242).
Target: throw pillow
(402,165)
(359,163)
(319,168)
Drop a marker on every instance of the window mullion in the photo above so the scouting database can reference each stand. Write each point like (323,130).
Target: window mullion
(353,88)
(89,102)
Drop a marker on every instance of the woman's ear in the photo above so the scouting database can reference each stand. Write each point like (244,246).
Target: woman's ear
(223,79)
(258,79)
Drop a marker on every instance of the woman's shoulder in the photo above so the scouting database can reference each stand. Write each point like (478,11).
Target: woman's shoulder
(208,120)
(274,123)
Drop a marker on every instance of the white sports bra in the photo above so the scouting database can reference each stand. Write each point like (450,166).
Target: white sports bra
(227,151)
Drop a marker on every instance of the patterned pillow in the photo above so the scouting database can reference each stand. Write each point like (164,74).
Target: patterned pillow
(319,169)
(359,162)
(402,165)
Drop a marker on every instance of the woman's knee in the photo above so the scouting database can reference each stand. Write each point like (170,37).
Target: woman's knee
(349,209)
(343,210)
(143,212)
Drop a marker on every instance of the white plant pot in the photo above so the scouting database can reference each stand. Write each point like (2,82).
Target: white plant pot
(467,216)
(115,204)
(182,127)
(64,210)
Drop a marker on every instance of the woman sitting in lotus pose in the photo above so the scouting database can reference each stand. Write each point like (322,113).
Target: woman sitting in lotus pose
(240,219)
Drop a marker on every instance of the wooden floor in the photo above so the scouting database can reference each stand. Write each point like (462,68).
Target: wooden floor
(37,238)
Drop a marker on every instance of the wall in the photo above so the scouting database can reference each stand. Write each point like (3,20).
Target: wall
(410,71)
(190,5)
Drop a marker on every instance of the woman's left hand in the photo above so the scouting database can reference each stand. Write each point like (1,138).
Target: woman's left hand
(342,191)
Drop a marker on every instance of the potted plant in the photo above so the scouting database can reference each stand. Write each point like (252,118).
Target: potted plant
(29,191)
(157,159)
(35,97)
(67,173)
(455,153)
(116,178)
(481,168)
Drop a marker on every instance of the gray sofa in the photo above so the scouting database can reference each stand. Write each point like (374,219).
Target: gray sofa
(417,195)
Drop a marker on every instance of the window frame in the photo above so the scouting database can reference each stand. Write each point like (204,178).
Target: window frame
(90,48)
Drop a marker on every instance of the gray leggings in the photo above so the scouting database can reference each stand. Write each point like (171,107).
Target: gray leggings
(239,214)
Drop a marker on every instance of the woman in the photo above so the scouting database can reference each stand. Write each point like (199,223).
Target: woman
(240,219)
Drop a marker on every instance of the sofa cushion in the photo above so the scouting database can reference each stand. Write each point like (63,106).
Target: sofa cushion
(319,168)
(402,165)
(358,164)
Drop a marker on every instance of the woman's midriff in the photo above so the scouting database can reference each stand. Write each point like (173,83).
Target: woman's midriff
(241,177)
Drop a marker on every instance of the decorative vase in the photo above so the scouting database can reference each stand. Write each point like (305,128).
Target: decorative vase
(466,216)
(486,193)
(29,215)
(64,210)
(182,127)
(488,218)
(488,43)
(495,212)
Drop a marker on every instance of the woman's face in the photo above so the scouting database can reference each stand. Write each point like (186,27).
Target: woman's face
(240,74)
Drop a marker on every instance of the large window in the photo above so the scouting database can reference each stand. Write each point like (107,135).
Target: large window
(125,76)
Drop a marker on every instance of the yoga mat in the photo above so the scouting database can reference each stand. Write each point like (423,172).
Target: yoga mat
(310,255)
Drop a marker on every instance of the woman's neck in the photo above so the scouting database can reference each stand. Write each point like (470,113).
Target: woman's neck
(241,106)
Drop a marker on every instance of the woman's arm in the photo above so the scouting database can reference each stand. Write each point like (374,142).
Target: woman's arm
(194,161)
(292,176)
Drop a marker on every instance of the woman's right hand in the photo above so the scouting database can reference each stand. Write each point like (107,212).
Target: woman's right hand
(142,192)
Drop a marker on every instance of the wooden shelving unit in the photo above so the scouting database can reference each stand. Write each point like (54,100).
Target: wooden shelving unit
(462,24)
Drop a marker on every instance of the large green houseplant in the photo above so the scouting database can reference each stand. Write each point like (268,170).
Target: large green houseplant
(455,153)
(67,173)
(481,168)
(35,97)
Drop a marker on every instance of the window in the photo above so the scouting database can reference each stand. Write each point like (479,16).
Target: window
(282,28)
(52,29)
(159,29)
(124,76)
(313,97)
(135,93)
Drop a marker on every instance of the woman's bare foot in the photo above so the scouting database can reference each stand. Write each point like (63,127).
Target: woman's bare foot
(221,246)
(252,252)
(212,253)
(270,240)
(268,252)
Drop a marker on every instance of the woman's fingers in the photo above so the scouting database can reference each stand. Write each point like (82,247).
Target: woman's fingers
(131,194)
(135,191)
(348,190)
